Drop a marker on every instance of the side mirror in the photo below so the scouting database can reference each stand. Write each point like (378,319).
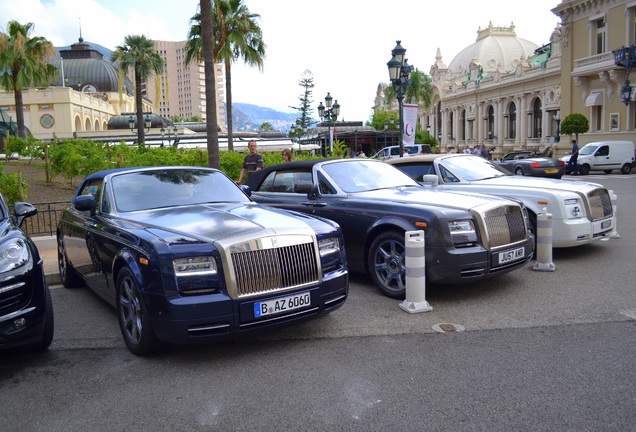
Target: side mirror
(22,211)
(430,179)
(85,203)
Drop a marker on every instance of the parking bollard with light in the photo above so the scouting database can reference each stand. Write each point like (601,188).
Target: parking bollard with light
(544,242)
(415,264)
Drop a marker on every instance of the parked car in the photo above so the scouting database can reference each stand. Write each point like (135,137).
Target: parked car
(581,212)
(605,156)
(186,257)
(26,309)
(528,163)
(391,152)
(467,237)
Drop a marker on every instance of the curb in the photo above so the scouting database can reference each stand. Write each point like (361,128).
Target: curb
(47,247)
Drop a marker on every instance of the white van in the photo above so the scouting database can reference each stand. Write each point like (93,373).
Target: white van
(394,151)
(606,156)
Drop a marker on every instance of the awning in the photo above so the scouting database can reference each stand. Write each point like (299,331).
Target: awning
(594,99)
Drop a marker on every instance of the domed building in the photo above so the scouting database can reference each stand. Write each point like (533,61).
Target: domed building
(501,91)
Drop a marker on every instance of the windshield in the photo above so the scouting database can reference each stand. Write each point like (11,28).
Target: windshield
(472,168)
(588,149)
(353,175)
(144,190)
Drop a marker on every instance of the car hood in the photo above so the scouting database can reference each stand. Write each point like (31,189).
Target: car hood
(433,197)
(210,222)
(528,182)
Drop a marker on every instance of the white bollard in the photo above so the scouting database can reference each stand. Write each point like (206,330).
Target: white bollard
(614,234)
(544,242)
(414,261)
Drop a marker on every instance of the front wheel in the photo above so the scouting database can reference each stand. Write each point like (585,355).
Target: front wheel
(519,171)
(386,264)
(626,169)
(584,169)
(134,321)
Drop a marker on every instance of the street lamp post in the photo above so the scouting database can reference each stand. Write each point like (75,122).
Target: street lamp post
(626,57)
(132,123)
(557,119)
(329,114)
(386,126)
(170,131)
(399,73)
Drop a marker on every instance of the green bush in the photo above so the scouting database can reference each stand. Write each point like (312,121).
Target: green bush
(9,187)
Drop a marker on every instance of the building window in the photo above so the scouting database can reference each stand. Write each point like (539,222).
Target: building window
(597,115)
(512,121)
(491,122)
(598,29)
(462,126)
(536,119)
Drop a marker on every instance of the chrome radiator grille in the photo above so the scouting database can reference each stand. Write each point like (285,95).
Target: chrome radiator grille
(600,204)
(505,226)
(267,270)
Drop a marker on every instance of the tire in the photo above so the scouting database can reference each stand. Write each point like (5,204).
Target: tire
(607,171)
(532,217)
(47,334)
(626,169)
(386,264)
(519,171)
(584,169)
(134,321)
(68,275)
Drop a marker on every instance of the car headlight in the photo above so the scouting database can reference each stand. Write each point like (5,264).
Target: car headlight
(463,232)
(14,254)
(191,266)
(328,246)
(573,208)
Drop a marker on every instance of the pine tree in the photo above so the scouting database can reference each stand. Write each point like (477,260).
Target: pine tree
(304,119)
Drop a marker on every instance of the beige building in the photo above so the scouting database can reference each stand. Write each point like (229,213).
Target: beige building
(591,81)
(181,89)
(501,91)
(509,93)
(86,95)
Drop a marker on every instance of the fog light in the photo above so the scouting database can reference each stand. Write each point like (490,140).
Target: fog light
(19,323)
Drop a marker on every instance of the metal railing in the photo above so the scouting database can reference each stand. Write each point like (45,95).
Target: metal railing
(45,221)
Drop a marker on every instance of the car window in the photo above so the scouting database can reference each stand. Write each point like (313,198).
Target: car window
(93,188)
(603,151)
(173,187)
(283,181)
(447,176)
(325,187)
(416,172)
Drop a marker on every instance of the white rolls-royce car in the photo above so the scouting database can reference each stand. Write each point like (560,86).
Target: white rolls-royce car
(581,212)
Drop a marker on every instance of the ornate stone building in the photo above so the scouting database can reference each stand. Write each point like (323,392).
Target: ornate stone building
(501,91)
(590,78)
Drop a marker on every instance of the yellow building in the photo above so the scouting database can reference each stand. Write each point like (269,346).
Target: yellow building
(591,81)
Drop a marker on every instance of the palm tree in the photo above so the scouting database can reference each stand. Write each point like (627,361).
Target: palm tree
(206,31)
(418,91)
(237,35)
(138,53)
(24,62)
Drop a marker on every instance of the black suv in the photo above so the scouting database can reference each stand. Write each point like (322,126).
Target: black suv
(26,310)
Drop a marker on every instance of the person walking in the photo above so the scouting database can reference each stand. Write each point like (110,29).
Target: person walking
(252,162)
(574,155)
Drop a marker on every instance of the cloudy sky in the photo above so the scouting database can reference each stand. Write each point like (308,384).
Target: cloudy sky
(346,44)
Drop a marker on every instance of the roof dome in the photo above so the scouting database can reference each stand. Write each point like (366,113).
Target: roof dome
(495,48)
(85,69)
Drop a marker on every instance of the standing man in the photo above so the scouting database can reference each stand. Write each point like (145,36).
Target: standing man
(252,162)
(574,155)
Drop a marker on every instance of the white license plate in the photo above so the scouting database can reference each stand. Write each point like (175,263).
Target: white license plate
(606,224)
(282,305)
(511,255)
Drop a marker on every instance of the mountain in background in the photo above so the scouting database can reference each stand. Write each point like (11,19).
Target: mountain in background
(248,117)
(245,117)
